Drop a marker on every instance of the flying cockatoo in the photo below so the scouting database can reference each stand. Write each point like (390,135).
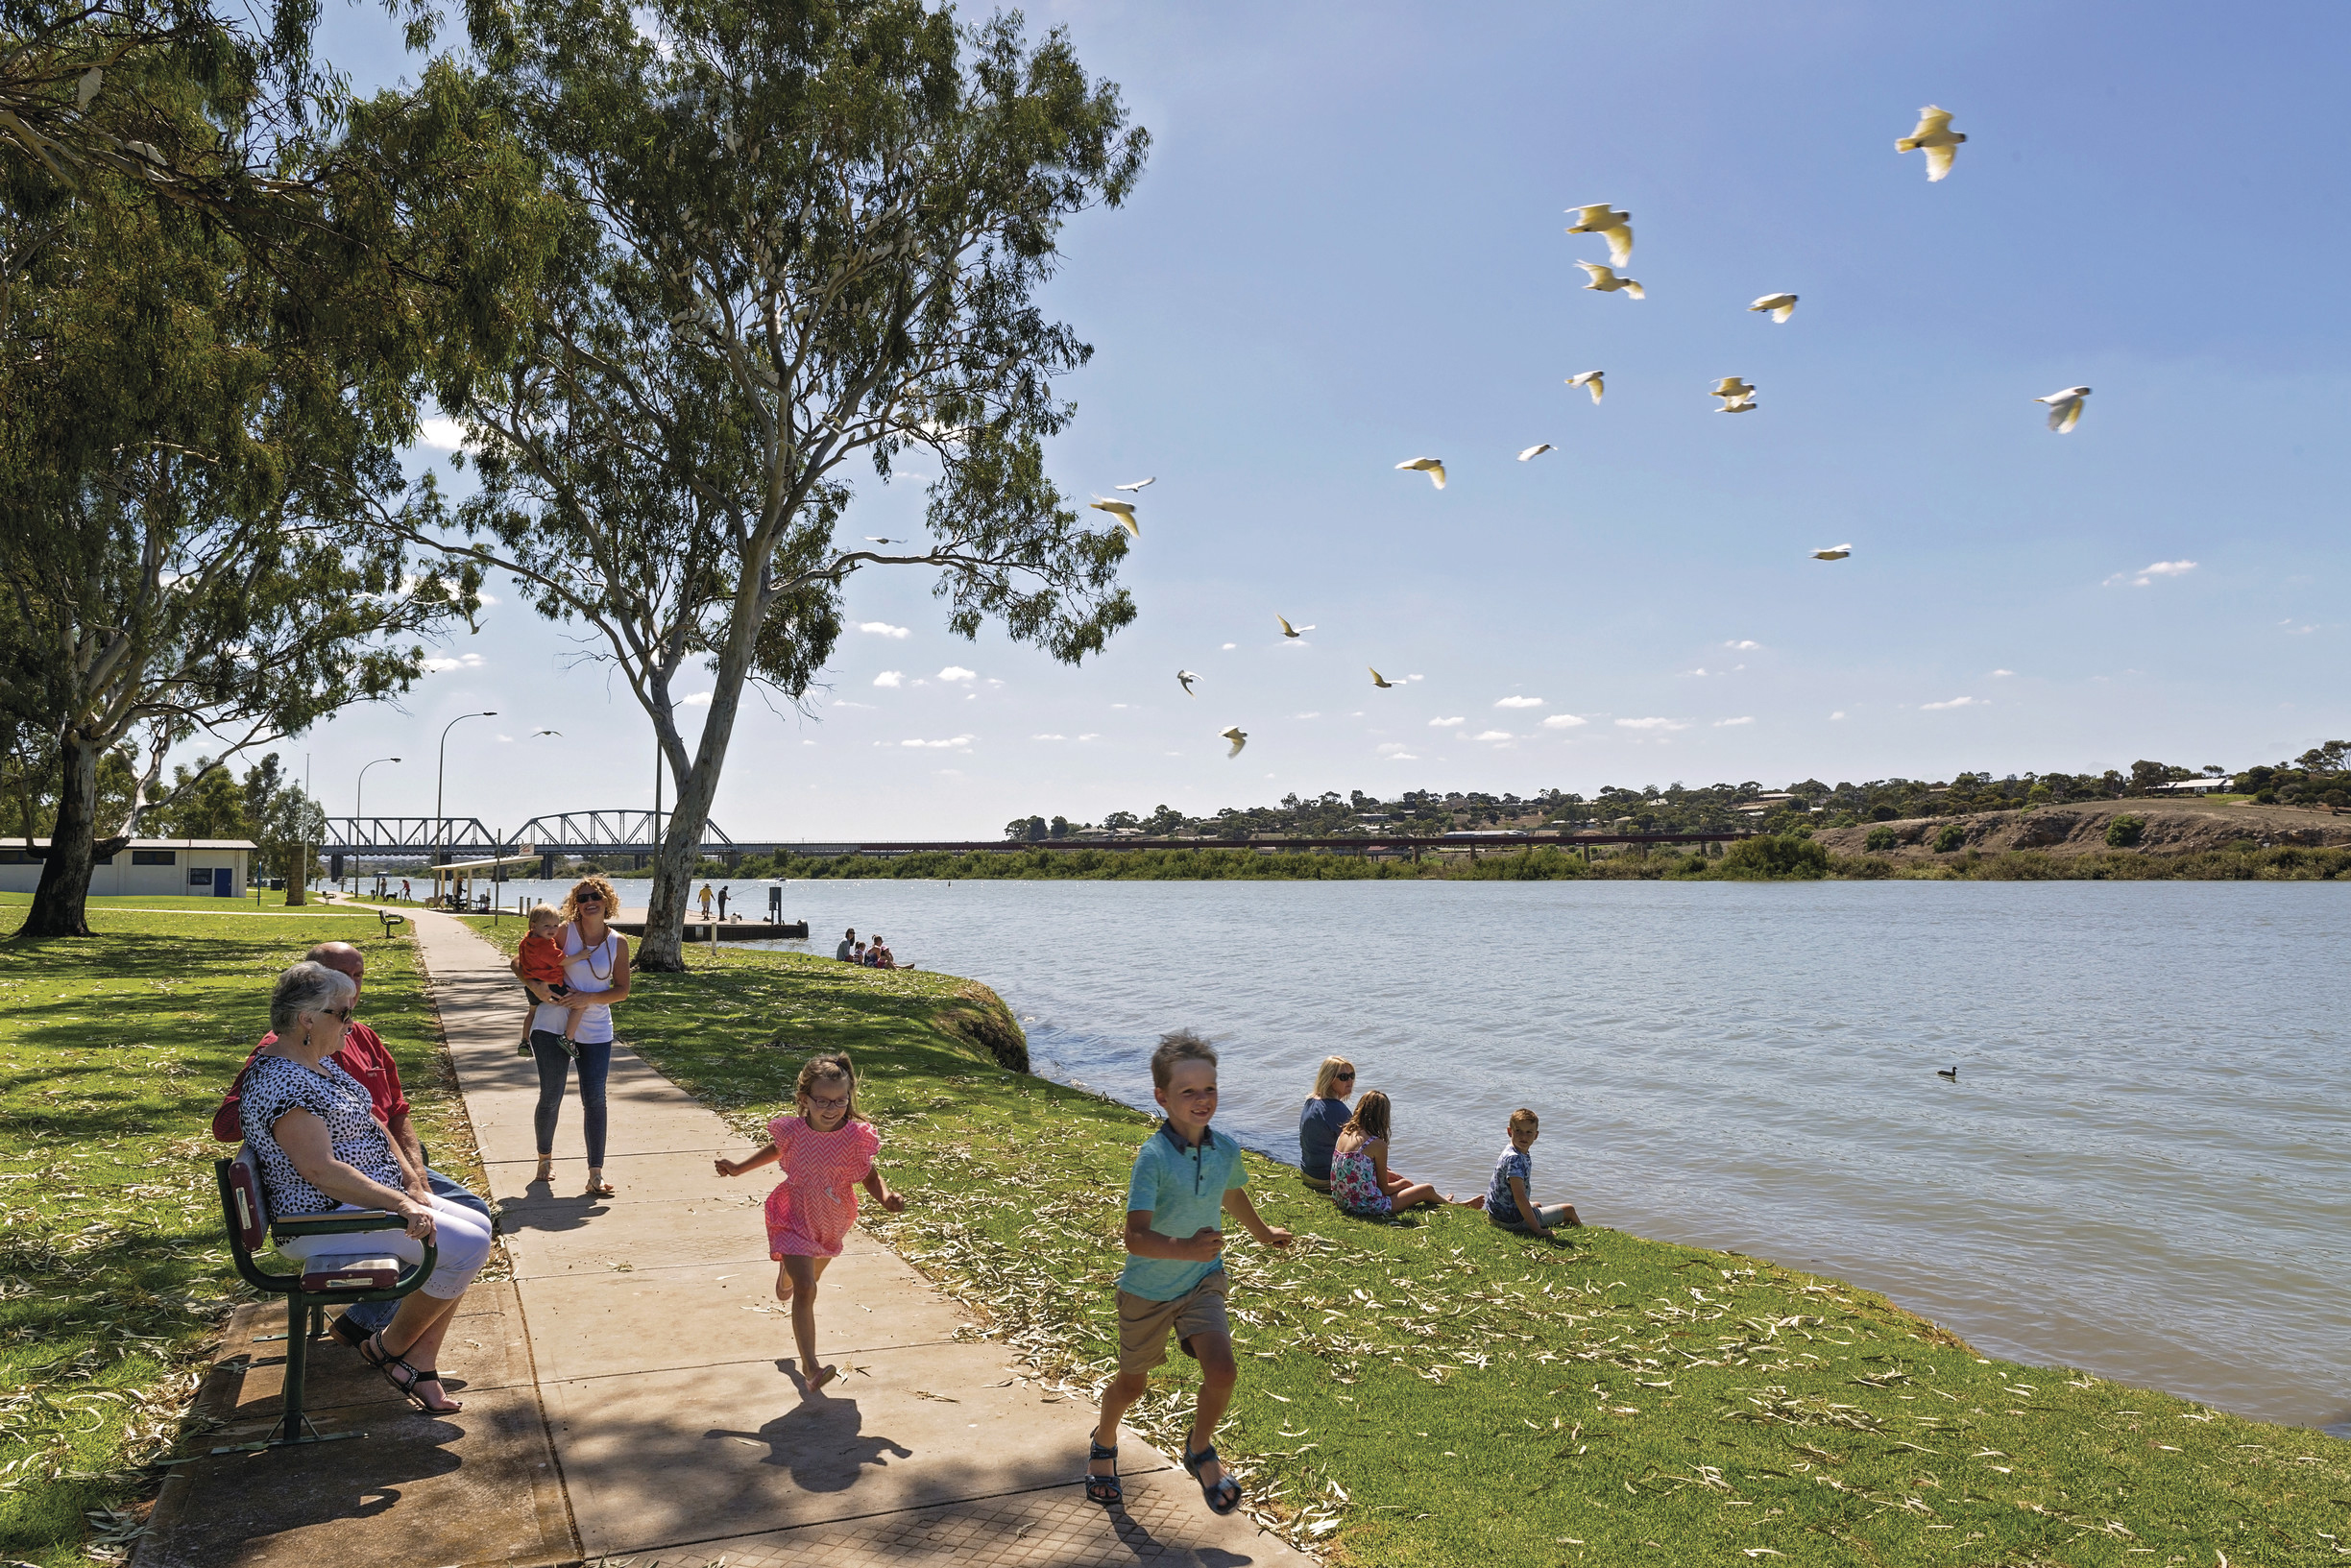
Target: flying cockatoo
(1606,281)
(1184,678)
(877,538)
(1536,451)
(1592,380)
(1239,738)
(1123,511)
(1381,680)
(1737,395)
(1834,552)
(1617,228)
(1288,630)
(1433,467)
(2065,408)
(1780,306)
(1139,485)
(87,88)
(1935,135)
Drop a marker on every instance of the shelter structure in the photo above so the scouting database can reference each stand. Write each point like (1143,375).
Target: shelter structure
(149,868)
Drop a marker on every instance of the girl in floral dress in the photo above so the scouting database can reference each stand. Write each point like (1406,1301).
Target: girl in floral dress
(1361,1183)
(827,1153)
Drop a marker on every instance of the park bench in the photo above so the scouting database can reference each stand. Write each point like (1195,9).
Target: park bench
(389,920)
(339,1279)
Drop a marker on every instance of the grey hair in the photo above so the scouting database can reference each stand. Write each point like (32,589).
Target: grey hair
(307,987)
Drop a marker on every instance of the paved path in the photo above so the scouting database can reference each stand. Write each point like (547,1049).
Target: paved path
(661,1359)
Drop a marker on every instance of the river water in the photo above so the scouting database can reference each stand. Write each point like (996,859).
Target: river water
(2139,1171)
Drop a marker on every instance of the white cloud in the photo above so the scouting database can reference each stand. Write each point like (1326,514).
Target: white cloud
(1649,724)
(1096,735)
(2148,574)
(868,706)
(1562,721)
(1743,643)
(958,742)
(1049,737)
(1230,646)
(1415,676)
(1998,674)
(1519,702)
(1443,723)
(1118,705)
(1839,713)
(957,672)
(694,699)
(882,628)
(1306,715)
(448,662)
(1725,723)
(1394,752)
(891,677)
(441,435)
(1491,735)
(1700,670)
(1955,701)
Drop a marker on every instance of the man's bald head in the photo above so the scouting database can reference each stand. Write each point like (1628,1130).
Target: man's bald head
(341,957)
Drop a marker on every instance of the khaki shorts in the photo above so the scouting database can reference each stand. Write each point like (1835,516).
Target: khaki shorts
(1144,1323)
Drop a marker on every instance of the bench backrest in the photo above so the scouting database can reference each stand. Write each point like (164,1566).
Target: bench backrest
(250,1207)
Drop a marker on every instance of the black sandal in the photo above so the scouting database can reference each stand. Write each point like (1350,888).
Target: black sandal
(1108,1490)
(1226,1495)
(379,1356)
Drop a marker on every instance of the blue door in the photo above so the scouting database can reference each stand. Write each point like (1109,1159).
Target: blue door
(224,883)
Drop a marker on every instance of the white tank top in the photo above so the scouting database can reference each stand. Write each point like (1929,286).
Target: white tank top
(585,969)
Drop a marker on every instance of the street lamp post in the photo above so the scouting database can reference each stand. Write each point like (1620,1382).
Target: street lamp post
(439,775)
(360,794)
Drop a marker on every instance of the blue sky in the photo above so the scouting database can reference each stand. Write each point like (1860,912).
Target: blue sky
(1347,250)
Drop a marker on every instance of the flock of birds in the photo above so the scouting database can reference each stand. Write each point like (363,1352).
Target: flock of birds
(1932,136)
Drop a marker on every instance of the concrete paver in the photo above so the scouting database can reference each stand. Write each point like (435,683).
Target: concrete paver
(681,1427)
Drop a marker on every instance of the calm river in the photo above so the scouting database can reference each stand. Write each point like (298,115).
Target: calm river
(2140,1170)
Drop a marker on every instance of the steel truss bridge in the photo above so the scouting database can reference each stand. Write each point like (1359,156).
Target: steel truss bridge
(636,835)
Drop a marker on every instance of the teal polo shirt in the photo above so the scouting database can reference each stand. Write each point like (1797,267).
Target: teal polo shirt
(1184,1188)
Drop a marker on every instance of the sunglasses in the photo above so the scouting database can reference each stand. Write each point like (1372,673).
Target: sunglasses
(582,904)
(1343,1077)
(341,1015)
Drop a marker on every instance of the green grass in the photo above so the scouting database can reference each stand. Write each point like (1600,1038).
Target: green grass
(113,1052)
(1434,1392)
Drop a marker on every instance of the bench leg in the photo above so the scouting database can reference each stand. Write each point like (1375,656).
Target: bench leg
(293,1427)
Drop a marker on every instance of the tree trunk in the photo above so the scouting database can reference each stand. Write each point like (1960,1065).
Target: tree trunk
(663,947)
(60,902)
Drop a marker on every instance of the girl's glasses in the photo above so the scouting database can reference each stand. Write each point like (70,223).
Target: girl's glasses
(829,1105)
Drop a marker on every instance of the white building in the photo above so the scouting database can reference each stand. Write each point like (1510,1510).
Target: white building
(150,868)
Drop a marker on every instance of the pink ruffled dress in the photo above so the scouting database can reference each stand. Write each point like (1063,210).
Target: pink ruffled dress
(811,1209)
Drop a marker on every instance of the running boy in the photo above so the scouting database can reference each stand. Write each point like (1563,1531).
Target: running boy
(542,958)
(1507,1201)
(1185,1179)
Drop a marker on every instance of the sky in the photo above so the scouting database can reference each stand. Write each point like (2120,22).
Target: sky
(1347,250)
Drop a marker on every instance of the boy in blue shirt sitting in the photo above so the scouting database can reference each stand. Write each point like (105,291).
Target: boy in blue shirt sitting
(1186,1178)
(1507,1201)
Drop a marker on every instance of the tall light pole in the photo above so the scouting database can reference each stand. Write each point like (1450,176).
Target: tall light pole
(439,775)
(359,794)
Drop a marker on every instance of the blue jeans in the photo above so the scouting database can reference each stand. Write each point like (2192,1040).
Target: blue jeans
(371,1316)
(553,1055)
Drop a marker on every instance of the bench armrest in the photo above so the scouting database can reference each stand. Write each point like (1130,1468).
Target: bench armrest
(354,1223)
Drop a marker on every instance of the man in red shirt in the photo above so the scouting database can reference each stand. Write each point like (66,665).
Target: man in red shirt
(364,1056)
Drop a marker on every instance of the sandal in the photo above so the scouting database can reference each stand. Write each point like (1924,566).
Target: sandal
(1108,1490)
(1226,1495)
(599,1188)
(446,1407)
(379,1356)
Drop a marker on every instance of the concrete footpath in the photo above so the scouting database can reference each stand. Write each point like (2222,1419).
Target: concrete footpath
(663,1362)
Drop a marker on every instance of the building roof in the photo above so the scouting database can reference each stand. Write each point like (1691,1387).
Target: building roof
(18,840)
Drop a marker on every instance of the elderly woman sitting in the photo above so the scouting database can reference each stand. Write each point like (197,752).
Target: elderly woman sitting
(313,1132)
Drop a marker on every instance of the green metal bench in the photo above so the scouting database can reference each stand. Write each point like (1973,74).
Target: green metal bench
(338,1279)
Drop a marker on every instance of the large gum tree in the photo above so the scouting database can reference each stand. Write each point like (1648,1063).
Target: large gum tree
(807,243)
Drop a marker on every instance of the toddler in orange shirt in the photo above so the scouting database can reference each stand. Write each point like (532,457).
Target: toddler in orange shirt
(542,957)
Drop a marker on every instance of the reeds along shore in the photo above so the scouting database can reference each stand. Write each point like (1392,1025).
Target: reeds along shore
(1432,1390)
(1549,863)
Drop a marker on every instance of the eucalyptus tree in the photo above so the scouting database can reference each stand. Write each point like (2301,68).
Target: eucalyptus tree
(809,236)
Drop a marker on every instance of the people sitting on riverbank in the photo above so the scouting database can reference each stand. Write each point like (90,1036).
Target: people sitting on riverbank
(363,1055)
(846,952)
(312,1129)
(879,956)
(858,954)
(1319,1120)
(1508,1202)
(1360,1180)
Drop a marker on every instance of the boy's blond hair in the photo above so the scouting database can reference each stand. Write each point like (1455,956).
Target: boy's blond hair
(545,912)
(1179,1046)
(1522,1119)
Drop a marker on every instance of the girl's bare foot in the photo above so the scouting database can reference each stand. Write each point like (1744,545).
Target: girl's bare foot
(1477,1202)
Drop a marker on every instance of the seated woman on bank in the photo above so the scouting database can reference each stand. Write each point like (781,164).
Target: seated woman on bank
(313,1132)
(1325,1113)
(1361,1182)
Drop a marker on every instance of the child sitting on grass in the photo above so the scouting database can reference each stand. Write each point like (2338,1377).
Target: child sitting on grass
(1507,1203)
(1361,1182)
(1185,1179)
(541,963)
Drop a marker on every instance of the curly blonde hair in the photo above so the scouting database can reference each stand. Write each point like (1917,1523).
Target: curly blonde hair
(598,885)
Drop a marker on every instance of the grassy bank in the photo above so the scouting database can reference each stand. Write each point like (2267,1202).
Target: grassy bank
(113,1051)
(1434,1392)
(1550,863)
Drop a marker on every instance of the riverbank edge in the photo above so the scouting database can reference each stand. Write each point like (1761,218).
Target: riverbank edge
(1053,1317)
